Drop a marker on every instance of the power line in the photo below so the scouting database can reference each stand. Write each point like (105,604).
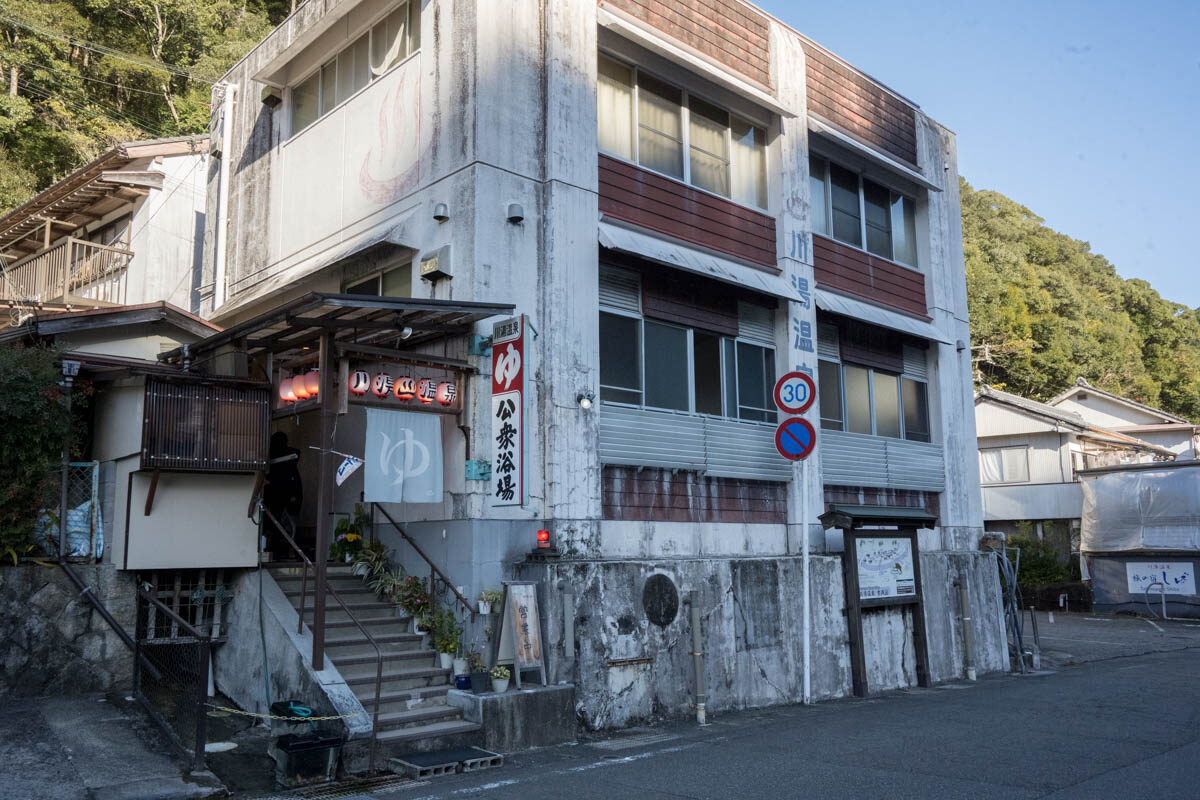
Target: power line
(48,94)
(145,63)
(81,76)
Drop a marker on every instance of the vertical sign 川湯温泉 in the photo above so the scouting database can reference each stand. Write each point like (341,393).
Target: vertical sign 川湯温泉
(508,412)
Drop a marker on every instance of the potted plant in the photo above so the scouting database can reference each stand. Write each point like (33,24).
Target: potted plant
(446,633)
(413,596)
(387,582)
(460,663)
(371,561)
(480,681)
(348,535)
(500,676)
(488,599)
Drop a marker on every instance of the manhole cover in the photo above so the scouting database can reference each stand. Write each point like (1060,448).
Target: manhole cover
(660,598)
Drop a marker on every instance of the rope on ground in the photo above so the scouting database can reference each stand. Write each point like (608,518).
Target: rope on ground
(229,710)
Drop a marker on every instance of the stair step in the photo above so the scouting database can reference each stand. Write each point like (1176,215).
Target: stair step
(351,591)
(399,624)
(426,676)
(404,699)
(367,658)
(348,641)
(396,720)
(445,728)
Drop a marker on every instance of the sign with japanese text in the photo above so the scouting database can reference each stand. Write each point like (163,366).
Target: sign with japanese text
(508,412)
(520,635)
(403,457)
(885,568)
(1175,577)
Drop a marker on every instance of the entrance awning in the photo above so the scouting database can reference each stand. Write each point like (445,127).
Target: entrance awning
(701,262)
(852,516)
(359,322)
(856,309)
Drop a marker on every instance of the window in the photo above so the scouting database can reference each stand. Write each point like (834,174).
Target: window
(664,128)
(862,213)
(861,399)
(395,282)
(387,43)
(1004,465)
(654,364)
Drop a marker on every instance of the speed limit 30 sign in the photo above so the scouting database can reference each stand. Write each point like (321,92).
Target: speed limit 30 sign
(795,393)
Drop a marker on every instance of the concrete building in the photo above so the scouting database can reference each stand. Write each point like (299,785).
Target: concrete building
(1129,417)
(1031,455)
(125,229)
(677,202)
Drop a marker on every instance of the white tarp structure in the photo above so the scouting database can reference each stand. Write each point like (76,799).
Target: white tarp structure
(1155,509)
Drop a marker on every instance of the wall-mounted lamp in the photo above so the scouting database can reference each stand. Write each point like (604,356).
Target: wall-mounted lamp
(515,213)
(441,212)
(960,345)
(271,96)
(405,332)
(585,400)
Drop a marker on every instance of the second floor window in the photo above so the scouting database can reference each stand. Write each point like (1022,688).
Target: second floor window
(664,128)
(862,213)
(388,42)
(1004,465)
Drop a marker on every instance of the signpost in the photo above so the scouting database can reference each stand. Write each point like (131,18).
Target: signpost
(795,392)
(508,412)
(520,642)
(795,439)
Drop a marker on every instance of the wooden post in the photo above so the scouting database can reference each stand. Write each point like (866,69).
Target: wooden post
(920,643)
(324,498)
(858,656)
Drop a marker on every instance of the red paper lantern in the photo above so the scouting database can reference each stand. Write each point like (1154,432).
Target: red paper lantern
(446,393)
(382,385)
(286,392)
(406,387)
(359,383)
(298,387)
(426,391)
(312,382)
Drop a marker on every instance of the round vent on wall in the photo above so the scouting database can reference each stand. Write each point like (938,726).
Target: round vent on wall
(660,598)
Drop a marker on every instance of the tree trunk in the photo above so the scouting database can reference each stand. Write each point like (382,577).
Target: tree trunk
(12,83)
(170,103)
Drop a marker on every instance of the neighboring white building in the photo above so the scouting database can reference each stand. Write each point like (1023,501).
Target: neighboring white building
(1129,417)
(125,229)
(1030,452)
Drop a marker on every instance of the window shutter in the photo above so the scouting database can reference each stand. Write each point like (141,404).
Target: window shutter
(915,365)
(620,289)
(756,323)
(827,342)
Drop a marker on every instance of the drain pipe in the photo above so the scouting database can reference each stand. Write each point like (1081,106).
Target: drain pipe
(964,602)
(698,656)
(568,621)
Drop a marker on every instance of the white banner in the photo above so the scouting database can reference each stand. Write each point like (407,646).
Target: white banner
(1176,577)
(403,456)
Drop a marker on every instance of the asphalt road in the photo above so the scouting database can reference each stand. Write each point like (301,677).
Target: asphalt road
(1122,727)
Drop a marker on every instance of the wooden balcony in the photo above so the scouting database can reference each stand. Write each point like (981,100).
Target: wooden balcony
(73,272)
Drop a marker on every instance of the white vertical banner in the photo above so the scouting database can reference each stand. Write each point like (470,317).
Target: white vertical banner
(508,412)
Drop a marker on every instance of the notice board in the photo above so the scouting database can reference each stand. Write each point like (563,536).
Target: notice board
(520,641)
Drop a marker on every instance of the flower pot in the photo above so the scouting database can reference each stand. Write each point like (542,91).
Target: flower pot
(462,682)
(499,685)
(485,608)
(360,569)
(480,682)
(416,626)
(347,558)
(446,660)
(460,666)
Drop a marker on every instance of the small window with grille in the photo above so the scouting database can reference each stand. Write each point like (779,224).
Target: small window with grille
(208,427)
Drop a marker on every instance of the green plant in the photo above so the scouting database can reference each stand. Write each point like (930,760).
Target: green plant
(33,422)
(500,673)
(445,630)
(413,596)
(374,559)
(491,596)
(1041,563)
(387,582)
(475,658)
(348,534)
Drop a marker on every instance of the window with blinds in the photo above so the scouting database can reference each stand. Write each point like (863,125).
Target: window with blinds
(204,426)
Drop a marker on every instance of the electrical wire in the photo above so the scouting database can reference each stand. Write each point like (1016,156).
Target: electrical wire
(114,116)
(83,77)
(145,63)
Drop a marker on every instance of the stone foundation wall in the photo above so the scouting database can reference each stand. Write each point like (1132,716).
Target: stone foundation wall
(53,642)
(629,670)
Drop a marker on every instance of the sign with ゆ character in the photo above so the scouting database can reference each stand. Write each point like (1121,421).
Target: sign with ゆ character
(508,412)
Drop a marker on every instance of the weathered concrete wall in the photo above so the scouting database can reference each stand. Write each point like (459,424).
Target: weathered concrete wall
(536,716)
(51,639)
(751,611)
(238,664)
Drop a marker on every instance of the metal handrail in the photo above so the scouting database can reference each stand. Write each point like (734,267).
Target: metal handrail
(433,569)
(371,639)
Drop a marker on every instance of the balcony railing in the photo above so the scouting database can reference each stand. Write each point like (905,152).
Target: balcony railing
(72,271)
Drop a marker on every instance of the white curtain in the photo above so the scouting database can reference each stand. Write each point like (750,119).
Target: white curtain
(614,101)
(749,164)
(991,469)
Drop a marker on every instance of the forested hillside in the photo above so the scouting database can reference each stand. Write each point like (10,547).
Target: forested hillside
(77,76)
(1045,310)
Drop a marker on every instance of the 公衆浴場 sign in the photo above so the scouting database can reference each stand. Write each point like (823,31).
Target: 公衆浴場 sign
(508,412)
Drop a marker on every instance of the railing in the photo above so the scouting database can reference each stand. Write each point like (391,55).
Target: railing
(73,269)
(300,628)
(170,674)
(434,573)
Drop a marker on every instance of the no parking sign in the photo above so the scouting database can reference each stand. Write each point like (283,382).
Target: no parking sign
(795,438)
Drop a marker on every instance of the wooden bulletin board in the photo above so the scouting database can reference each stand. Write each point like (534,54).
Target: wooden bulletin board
(881,569)
(520,640)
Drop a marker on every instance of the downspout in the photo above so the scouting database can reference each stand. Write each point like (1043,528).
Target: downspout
(222,227)
(964,601)
(698,655)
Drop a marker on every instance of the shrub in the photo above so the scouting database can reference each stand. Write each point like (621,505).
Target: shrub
(1041,563)
(33,422)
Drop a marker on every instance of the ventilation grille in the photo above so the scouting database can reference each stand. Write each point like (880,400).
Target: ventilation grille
(620,289)
(756,323)
(827,342)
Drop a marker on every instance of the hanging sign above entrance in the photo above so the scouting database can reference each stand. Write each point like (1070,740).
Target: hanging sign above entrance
(508,412)
(795,393)
(795,439)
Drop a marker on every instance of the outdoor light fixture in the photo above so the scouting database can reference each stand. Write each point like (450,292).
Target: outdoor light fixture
(360,381)
(286,393)
(405,332)
(406,387)
(312,382)
(382,385)
(515,213)
(299,387)
(585,400)
(543,540)
(441,212)
(446,392)
(426,391)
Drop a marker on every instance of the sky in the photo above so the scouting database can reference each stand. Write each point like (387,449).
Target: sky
(1087,113)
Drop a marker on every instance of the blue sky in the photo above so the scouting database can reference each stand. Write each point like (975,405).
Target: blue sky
(1085,112)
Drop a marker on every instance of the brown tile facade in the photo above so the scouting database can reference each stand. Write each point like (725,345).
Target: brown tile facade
(857,272)
(660,495)
(726,31)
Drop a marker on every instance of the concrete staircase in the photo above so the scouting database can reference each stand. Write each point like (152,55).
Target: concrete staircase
(413,714)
